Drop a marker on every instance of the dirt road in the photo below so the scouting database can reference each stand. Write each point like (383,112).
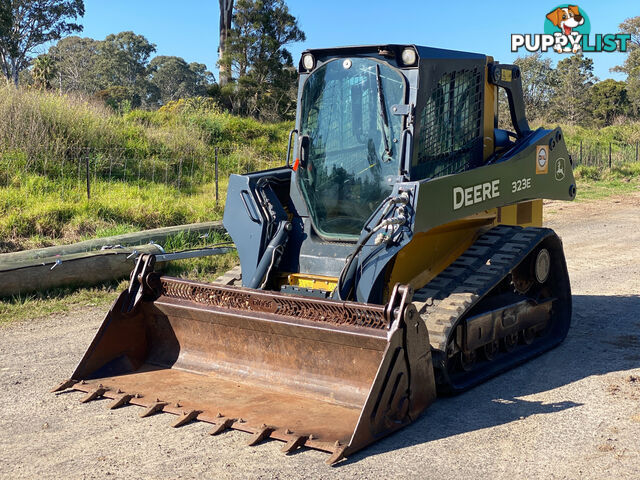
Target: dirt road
(572,413)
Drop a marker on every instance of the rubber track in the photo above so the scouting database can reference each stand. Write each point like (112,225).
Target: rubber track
(445,300)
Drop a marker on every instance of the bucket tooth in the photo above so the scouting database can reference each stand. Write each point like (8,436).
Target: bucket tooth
(153,409)
(293,444)
(64,385)
(121,401)
(337,455)
(263,433)
(186,417)
(221,426)
(92,395)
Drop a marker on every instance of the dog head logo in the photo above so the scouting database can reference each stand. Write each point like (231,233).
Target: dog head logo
(567,18)
(567,23)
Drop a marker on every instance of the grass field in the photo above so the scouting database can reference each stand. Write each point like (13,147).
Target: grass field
(34,212)
(594,183)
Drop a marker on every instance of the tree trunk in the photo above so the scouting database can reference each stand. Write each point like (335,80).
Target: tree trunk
(14,71)
(226,10)
(5,72)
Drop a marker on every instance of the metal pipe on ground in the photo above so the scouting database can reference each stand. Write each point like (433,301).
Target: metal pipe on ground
(155,235)
(85,269)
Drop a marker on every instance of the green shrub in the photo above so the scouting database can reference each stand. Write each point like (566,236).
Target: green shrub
(584,172)
(38,126)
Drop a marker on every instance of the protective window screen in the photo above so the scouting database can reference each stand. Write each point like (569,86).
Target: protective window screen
(331,113)
(450,125)
(353,142)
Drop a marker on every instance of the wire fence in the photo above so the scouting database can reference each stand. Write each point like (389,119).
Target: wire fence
(603,154)
(185,174)
(84,168)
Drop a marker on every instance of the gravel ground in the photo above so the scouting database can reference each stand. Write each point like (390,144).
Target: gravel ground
(572,413)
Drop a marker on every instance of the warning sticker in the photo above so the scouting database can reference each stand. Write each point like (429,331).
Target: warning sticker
(542,159)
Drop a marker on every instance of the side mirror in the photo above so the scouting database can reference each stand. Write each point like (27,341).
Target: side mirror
(303,150)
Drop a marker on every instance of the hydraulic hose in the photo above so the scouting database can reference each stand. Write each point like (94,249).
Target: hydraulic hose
(268,257)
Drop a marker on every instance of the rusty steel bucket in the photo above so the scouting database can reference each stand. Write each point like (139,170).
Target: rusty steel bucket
(333,376)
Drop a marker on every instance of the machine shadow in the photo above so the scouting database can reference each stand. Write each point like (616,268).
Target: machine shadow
(604,337)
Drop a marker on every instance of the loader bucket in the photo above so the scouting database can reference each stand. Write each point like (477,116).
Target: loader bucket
(329,375)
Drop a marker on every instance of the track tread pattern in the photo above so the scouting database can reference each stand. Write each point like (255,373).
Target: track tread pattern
(444,300)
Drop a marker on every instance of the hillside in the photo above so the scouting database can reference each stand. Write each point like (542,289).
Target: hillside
(147,169)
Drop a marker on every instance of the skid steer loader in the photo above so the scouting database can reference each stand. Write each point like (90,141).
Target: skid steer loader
(398,254)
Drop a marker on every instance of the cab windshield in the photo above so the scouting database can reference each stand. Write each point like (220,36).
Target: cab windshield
(354,140)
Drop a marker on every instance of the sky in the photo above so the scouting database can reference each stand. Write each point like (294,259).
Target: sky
(189,28)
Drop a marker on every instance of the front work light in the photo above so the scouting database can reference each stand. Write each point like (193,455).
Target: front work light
(308,62)
(409,57)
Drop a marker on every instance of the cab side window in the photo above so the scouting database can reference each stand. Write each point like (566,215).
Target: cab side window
(450,135)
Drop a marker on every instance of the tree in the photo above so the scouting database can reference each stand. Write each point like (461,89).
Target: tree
(122,62)
(631,66)
(118,71)
(75,60)
(6,19)
(43,72)
(117,97)
(204,78)
(226,12)
(538,83)
(263,68)
(608,100)
(28,24)
(172,78)
(570,101)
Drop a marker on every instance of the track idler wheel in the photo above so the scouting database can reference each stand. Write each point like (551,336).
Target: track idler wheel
(491,349)
(467,360)
(534,269)
(510,342)
(528,336)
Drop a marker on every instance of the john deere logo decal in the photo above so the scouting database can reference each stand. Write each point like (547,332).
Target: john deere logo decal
(567,29)
(560,169)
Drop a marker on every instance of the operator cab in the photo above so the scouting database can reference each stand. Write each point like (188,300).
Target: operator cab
(371,117)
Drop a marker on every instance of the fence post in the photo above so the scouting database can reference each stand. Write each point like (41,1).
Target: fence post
(580,152)
(609,155)
(62,176)
(216,174)
(180,174)
(88,176)
(636,151)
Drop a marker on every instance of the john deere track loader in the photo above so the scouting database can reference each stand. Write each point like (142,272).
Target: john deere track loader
(398,254)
